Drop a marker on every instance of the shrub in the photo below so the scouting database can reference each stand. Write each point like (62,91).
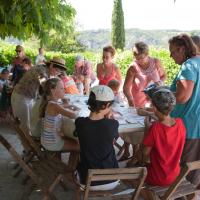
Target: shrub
(122,59)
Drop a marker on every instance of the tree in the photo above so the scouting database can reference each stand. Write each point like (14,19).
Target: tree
(118,32)
(24,18)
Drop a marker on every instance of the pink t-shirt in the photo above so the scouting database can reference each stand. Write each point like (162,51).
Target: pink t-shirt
(143,78)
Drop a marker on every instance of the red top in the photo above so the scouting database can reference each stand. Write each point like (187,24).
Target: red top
(112,76)
(167,145)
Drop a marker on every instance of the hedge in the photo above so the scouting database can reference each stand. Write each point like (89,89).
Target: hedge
(123,59)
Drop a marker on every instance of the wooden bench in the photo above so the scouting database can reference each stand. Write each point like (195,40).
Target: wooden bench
(131,174)
(180,188)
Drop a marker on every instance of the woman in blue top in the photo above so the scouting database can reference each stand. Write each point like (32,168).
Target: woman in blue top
(186,86)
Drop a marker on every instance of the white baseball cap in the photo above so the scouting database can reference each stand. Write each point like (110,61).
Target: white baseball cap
(103,93)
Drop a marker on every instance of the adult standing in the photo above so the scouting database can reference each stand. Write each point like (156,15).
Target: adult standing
(26,91)
(143,71)
(17,61)
(186,86)
(107,70)
(83,74)
(40,59)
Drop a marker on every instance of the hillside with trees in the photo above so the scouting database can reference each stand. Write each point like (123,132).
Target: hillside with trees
(96,39)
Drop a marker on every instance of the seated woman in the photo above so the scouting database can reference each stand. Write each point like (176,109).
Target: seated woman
(52,137)
(96,135)
(163,141)
(107,70)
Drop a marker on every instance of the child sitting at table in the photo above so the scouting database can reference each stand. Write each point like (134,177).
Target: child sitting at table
(96,135)
(52,112)
(115,86)
(164,140)
(69,84)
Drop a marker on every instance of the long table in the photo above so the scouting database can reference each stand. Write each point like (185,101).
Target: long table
(131,125)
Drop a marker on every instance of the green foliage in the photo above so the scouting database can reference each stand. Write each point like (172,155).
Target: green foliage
(122,58)
(118,32)
(63,43)
(24,18)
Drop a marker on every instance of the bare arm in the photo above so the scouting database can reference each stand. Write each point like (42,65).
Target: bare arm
(55,109)
(161,70)
(184,89)
(118,74)
(146,153)
(128,86)
(99,71)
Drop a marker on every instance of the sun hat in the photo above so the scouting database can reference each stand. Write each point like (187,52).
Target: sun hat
(79,58)
(103,93)
(59,62)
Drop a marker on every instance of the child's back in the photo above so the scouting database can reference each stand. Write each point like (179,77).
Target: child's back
(96,135)
(167,145)
(165,139)
(96,144)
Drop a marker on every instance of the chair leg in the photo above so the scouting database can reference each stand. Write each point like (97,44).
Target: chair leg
(73,161)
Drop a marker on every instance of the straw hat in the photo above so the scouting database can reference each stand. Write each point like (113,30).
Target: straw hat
(58,62)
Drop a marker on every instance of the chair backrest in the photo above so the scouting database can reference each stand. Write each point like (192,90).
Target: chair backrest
(25,136)
(188,167)
(138,173)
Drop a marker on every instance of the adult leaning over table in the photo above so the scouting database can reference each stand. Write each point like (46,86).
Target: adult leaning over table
(186,86)
(143,71)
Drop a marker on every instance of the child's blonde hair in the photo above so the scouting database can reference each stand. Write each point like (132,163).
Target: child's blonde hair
(48,86)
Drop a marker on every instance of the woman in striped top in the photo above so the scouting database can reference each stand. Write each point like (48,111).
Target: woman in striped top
(52,137)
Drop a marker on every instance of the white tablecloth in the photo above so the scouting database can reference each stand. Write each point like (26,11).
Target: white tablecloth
(131,125)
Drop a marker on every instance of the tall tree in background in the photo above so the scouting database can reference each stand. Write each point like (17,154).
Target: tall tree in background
(118,32)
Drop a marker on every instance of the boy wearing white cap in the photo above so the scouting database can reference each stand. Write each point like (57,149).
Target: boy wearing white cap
(96,134)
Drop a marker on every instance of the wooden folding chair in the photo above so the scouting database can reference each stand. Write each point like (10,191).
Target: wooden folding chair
(36,172)
(39,152)
(180,188)
(137,174)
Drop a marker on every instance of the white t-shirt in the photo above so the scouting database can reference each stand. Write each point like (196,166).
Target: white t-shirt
(40,59)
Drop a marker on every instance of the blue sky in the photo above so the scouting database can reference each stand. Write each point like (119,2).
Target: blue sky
(144,14)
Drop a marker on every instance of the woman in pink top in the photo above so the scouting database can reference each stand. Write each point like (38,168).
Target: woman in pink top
(143,71)
(107,70)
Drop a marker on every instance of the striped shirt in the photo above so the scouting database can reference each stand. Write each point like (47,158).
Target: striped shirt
(51,128)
